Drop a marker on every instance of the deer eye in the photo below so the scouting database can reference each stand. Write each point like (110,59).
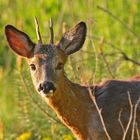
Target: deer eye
(59,66)
(33,67)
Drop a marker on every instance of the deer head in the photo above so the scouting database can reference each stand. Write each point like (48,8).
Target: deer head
(46,61)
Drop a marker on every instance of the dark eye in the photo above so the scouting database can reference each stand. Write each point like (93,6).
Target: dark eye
(59,66)
(33,67)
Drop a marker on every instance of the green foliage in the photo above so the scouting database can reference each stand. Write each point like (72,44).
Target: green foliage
(111,32)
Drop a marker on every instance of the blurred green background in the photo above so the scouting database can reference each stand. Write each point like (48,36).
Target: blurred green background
(113,29)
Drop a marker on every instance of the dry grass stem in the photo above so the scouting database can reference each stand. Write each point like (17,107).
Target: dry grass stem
(137,131)
(130,117)
(119,119)
(134,118)
(100,114)
(117,19)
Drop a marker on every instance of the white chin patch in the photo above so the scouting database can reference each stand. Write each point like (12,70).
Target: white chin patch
(51,91)
(49,94)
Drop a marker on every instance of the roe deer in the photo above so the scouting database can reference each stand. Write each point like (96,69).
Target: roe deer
(72,102)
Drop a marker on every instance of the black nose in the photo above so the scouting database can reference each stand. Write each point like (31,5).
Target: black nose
(46,87)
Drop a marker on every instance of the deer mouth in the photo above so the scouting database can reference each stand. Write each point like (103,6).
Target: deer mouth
(49,93)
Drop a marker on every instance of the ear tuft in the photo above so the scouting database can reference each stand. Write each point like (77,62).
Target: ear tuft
(73,39)
(19,42)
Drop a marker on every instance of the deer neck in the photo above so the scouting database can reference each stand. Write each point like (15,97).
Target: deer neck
(75,109)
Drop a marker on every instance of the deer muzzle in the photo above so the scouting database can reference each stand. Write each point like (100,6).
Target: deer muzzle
(46,88)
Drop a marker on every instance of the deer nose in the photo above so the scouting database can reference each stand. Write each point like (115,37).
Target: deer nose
(46,87)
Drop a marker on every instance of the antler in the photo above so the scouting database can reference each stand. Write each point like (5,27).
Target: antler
(37,31)
(51,31)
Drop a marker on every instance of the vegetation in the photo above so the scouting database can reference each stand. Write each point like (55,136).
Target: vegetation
(111,50)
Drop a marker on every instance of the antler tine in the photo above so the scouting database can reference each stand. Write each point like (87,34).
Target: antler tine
(51,31)
(37,30)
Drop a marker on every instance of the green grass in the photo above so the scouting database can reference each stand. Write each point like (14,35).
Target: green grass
(118,30)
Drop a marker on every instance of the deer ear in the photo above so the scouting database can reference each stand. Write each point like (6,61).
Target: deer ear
(19,41)
(73,39)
